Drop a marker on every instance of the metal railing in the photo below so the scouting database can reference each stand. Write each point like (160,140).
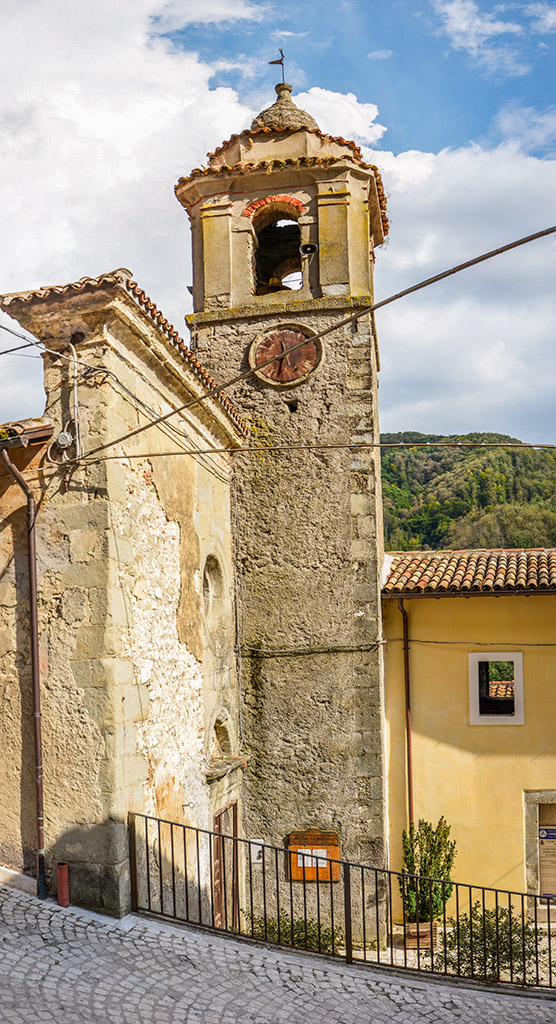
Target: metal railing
(341,909)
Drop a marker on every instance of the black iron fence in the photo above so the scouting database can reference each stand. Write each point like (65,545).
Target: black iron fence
(305,900)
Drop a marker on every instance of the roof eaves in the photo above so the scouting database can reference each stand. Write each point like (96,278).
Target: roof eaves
(244,167)
(122,278)
(470,573)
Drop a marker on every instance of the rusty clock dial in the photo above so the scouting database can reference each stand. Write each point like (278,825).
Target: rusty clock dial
(288,368)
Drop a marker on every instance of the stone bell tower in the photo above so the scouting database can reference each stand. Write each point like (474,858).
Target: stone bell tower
(285,220)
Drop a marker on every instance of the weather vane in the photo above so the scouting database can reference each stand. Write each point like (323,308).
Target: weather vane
(281,61)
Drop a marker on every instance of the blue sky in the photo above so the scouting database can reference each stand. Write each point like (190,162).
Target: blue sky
(101,111)
(436,74)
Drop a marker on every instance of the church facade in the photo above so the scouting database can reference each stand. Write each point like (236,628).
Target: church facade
(215,609)
(210,623)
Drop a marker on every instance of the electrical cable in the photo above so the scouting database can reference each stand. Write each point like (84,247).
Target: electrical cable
(37,343)
(172,431)
(76,422)
(363,445)
(89,369)
(294,652)
(18,348)
(17,334)
(317,337)
(328,446)
(477,643)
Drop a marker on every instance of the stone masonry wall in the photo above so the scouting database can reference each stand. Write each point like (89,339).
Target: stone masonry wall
(309,553)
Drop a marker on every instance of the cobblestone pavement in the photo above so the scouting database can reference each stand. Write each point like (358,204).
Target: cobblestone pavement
(70,966)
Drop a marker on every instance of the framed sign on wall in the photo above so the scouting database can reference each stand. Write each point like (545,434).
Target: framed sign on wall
(312,856)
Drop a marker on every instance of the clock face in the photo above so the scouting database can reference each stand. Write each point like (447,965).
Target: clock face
(287,368)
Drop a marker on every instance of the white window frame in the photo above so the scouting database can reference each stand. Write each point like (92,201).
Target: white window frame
(475,718)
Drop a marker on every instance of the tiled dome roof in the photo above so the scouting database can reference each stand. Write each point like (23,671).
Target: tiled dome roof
(284,113)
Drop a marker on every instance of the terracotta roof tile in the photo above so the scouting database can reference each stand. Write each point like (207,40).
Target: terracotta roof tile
(251,133)
(500,689)
(243,167)
(123,279)
(467,572)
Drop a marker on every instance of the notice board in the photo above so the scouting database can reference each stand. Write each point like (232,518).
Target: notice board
(309,856)
(547,860)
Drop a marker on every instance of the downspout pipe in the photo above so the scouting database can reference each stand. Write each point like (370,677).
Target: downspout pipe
(407,687)
(37,727)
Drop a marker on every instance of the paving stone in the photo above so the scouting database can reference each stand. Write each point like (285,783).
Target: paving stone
(75,967)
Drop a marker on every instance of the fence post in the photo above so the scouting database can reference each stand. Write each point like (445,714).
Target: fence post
(133,863)
(347,913)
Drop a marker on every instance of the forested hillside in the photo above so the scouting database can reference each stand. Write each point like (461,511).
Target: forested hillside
(467,497)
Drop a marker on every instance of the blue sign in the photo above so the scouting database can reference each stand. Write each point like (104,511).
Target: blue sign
(547,833)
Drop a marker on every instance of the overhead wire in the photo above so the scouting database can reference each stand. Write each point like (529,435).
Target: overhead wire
(179,436)
(294,652)
(18,348)
(328,330)
(344,322)
(327,446)
(98,370)
(17,334)
(475,643)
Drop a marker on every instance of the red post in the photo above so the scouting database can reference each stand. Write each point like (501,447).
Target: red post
(62,879)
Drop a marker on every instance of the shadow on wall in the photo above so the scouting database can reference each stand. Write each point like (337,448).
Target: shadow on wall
(98,860)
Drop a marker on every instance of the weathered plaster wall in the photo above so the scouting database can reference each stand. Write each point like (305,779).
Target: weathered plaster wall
(73,743)
(171,737)
(132,677)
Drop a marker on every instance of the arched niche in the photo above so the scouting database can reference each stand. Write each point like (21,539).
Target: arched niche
(221,738)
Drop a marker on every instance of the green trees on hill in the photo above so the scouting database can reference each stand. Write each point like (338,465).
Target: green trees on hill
(467,497)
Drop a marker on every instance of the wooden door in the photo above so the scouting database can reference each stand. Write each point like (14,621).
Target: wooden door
(225,869)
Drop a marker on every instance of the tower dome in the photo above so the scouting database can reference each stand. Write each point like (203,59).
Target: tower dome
(283,114)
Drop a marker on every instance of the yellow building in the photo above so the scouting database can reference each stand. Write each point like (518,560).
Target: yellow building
(480,675)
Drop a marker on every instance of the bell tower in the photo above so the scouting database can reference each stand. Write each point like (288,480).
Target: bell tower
(285,220)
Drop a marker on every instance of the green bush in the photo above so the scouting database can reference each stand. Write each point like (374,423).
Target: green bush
(489,944)
(309,940)
(427,851)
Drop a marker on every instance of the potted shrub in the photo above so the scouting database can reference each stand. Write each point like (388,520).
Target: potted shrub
(425,883)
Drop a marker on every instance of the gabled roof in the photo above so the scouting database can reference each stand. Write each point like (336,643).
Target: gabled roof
(499,570)
(123,278)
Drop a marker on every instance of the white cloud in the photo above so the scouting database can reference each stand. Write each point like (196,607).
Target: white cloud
(470,30)
(105,116)
(172,15)
(342,114)
(544,17)
(474,352)
(285,34)
(380,54)
(105,119)
(532,129)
